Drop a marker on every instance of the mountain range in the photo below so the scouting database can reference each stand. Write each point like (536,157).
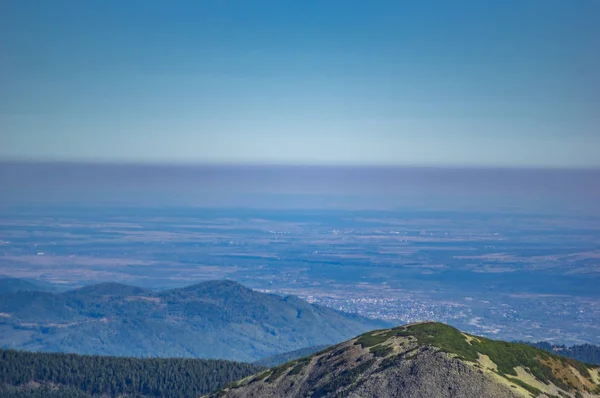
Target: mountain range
(215,319)
(423,360)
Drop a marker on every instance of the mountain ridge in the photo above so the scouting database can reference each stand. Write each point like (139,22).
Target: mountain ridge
(421,360)
(213,319)
(14,285)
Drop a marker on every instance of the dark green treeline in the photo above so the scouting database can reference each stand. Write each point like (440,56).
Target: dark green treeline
(28,374)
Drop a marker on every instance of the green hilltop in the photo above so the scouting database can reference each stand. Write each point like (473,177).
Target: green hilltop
(424,359)
(506,356)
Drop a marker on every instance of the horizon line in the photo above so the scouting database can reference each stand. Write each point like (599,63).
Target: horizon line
(204,164)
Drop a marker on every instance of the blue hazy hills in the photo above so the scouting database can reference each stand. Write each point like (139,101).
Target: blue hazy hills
(216,319)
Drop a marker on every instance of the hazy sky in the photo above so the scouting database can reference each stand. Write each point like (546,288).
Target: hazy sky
(502,83)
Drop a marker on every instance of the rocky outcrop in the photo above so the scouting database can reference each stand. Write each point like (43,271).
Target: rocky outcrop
(424,360)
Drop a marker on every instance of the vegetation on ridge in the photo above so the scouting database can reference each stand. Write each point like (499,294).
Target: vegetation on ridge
(410,360)
(507,356)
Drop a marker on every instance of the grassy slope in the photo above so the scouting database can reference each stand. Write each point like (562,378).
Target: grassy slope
(544,366)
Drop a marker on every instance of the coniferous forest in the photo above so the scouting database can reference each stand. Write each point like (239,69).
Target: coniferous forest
(586,353)
(28,374)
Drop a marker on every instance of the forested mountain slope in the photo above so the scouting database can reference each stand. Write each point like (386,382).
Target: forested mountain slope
(587,353)
(28,374)
(217,319)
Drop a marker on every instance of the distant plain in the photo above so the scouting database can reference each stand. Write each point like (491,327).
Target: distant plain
(502,274)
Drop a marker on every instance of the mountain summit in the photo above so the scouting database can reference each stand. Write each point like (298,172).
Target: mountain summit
(423,360)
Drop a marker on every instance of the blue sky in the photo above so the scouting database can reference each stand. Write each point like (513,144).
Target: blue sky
(462,83)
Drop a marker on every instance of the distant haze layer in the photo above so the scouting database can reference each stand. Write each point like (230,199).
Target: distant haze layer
(296,187)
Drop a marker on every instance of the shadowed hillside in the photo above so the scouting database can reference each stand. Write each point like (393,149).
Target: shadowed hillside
(217,319)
